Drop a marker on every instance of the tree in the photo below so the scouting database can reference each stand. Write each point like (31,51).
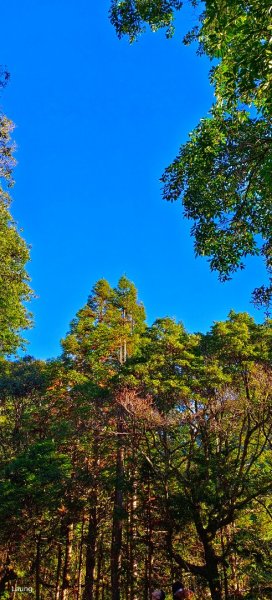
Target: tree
(237,34)
(129,17)
(138,458)
(14,254)
(34,475)
(104,333)
(210,455)
(223,174)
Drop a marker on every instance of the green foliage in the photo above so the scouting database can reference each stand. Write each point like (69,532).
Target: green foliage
(165,362)
(224,177)
(22,378)
(251,542)
(239,342)
(7,160)
(223,173)
(105,331)
(212,455)
(34,474)
(175,426)
(32,487)
(22,385)
(129,16)
(238,33)
(14,254)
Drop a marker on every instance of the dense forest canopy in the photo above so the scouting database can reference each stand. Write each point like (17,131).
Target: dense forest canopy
(142,454)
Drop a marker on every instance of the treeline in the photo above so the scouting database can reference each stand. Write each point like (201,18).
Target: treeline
(141,456)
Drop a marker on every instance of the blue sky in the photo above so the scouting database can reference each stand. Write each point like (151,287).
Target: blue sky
(97,121)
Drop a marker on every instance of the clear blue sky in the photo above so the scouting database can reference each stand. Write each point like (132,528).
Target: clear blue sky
(97,120)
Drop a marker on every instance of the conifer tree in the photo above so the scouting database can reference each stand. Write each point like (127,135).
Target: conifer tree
(104,333)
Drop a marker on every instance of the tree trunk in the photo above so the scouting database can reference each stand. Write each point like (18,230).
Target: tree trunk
(235,579)
(149,545)
(168,521)
(117,521)
(79,575)
(127,551)
(91,548)
(225,574)
(133,531)
(37,567)
(57,595)
(67,562)
(99,569)
(213,576)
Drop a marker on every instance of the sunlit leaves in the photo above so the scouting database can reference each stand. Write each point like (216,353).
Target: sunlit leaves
(223,176)
(129,16)
(14,254)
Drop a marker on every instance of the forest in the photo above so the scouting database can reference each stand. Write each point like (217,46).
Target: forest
(142,454)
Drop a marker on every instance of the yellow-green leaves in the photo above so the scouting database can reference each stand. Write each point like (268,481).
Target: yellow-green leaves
(14,254)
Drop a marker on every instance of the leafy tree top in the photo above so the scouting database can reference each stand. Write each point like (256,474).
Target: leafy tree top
(105,331)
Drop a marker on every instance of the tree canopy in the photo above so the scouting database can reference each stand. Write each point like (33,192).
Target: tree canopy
(223,173)
(141,455)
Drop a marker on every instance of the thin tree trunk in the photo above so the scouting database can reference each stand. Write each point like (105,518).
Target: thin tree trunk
(92,533)
(150,546)
(13,593)
(225,575)
(80,561)
(99,569)
(37,567)
(67,562)
(168,520)
(91,548)
(57,595)
(133,551)
(235,580)
(127,550)
(117,521)
(133,527)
